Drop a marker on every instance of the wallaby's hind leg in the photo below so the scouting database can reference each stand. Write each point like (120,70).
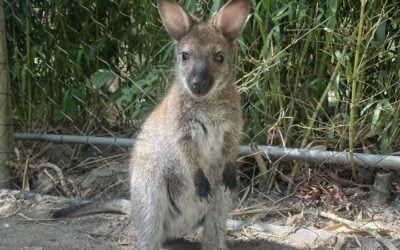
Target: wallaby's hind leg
(148,215)
(214,225)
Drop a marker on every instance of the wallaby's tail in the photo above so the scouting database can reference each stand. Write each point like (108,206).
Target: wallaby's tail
(118,206)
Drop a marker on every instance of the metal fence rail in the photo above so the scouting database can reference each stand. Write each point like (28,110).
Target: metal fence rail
(365,160)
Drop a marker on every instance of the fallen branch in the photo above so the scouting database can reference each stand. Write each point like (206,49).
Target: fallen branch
(49,165)
(31,196)
(59,173)
(277,229)
(262,210)
(361,227)
(261,165)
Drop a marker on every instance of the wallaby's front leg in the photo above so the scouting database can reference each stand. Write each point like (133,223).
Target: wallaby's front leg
(149,203)
(229,176)
(231,142)
(215,220)
(222,199)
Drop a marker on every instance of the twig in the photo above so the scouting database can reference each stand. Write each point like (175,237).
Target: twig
(361,227)
(342,181)
(119,182)
(25,181)
(276,229)
(26,218)
(244,197)
(262,210)
(59,173)
(45,190)
(261,165)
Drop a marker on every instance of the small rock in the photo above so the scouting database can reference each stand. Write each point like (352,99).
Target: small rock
(6,225)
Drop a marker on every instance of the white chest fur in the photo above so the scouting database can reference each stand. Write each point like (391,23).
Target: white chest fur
(209,139)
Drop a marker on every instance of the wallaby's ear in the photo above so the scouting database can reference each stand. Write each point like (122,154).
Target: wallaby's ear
(231,18)
(176,20)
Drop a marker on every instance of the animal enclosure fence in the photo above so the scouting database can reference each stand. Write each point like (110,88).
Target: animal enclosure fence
(96,68)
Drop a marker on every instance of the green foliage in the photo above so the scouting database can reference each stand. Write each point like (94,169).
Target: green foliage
(297,72)
(64,53)
(71,61)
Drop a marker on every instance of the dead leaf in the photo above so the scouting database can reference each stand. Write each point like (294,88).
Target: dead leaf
(344,228)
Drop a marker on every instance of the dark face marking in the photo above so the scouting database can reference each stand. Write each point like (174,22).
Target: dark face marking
(200,79)
(229,176)
(203,187)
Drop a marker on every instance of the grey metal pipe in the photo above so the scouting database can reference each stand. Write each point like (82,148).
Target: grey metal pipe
(365,160)
(95,140)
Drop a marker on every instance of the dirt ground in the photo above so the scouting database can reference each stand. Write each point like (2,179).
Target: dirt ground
(272,221)
(25,224)
(30,228)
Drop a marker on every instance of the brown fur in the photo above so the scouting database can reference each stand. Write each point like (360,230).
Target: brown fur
(194,137)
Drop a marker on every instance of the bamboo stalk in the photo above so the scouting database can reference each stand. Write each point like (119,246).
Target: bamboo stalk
(6,133)
(354,86)
(28,83)
(312,121)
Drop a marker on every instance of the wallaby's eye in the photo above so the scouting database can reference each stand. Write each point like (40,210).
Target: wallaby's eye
(219,56)
(185,56)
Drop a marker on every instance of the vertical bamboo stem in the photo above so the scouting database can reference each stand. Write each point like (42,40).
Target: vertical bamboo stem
(354,86)
(312,121)
(29,87)
(6,139)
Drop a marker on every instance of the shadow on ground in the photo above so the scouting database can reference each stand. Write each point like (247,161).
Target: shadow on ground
(237,245)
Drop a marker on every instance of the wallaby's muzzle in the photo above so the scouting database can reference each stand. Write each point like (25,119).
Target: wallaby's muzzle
(200,80)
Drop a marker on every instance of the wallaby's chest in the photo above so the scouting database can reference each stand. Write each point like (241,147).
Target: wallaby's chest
(207,132)
(208,137)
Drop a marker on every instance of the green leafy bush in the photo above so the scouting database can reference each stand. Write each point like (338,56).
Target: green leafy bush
(73,62)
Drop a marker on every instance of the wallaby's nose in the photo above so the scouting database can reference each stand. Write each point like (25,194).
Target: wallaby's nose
(200,80)
(200,86)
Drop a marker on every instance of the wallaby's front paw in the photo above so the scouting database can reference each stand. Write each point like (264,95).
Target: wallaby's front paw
(203,187)
(229,176)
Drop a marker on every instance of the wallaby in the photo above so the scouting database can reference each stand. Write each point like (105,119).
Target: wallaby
(182,169)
